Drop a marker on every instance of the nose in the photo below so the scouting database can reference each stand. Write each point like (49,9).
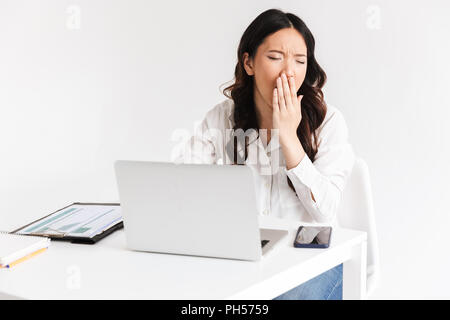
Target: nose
(287,73)
(288,70)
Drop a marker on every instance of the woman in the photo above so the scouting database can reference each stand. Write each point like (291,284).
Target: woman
(277,122)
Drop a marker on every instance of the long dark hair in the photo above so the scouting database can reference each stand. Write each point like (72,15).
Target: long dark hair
(241,91)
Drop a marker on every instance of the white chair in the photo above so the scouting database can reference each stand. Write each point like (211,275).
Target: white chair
(356,212)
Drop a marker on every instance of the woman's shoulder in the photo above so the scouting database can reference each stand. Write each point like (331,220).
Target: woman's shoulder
(221,114)
(334,123)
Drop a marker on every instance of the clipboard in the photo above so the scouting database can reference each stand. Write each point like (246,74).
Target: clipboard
(73,239)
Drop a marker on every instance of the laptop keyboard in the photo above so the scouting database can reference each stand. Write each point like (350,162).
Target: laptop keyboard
(264,242)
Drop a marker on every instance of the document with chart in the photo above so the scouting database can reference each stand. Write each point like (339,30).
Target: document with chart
(79,220)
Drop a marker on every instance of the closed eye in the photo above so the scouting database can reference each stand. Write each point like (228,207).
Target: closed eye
(272,58)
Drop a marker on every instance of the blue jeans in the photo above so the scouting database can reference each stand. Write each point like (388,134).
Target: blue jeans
(326,286)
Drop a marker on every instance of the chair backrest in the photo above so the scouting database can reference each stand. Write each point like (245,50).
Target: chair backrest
(356,212)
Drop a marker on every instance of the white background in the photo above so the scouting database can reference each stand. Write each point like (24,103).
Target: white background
(84,83)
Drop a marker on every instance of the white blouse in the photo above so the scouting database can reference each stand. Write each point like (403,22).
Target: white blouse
(325,177)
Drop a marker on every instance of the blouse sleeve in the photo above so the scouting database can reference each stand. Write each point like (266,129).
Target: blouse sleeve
(326,177)
(198,148)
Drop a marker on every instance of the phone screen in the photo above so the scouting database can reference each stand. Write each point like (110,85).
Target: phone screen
(313,235)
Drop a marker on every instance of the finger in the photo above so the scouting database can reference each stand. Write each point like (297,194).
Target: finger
(275,105)
(299,99)
(280,94)
(286,91)
(276,108)
(292,86)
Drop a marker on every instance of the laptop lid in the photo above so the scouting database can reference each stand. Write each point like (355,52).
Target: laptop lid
(193,209)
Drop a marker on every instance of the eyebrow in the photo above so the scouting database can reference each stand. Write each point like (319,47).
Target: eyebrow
(297,55)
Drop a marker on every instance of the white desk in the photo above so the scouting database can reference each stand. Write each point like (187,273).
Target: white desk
(107,270)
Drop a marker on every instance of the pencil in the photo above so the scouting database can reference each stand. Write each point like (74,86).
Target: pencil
(12,264)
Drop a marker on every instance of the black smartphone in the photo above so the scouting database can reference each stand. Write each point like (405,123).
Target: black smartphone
(312,237)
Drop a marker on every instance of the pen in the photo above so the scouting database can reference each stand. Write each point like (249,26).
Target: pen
(12,264)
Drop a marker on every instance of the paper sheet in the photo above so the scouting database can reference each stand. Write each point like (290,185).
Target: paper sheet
(77,221)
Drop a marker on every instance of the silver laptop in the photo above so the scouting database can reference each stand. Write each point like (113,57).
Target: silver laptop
(192,209)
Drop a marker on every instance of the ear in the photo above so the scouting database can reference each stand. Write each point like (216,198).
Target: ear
(248,64)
